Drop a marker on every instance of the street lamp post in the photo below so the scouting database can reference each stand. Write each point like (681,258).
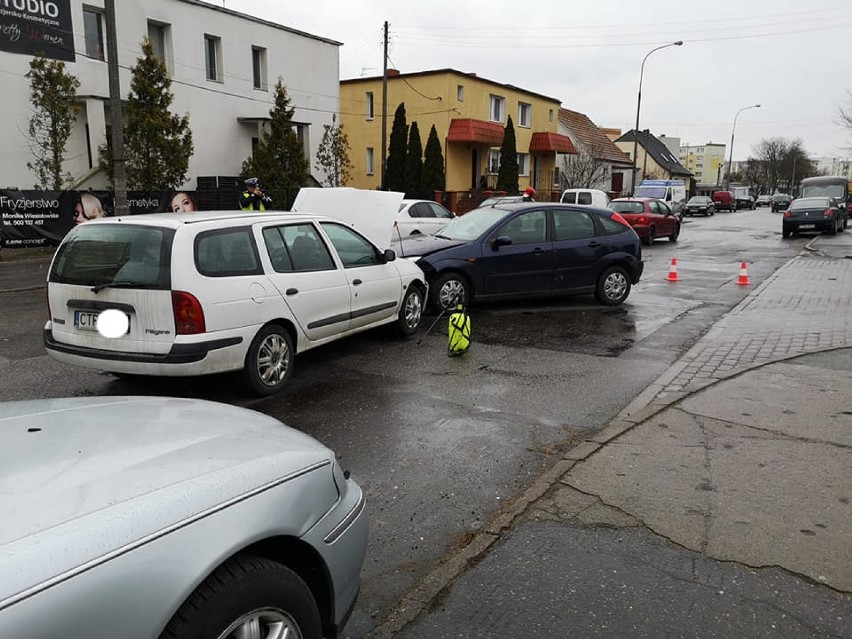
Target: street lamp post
(733,130)
(639,104)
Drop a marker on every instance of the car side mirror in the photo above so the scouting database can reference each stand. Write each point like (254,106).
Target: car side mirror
(502,240)
(389,256)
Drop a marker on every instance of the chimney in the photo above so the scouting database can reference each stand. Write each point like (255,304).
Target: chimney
(393,72)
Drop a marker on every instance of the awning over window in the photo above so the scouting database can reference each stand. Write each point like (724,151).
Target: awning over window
(478,131)
(544,141)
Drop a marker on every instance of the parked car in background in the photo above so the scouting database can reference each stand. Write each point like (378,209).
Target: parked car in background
(724,201)
(780,202)
(650,218)
(763,200)
(586,197)
(814,214)
(528,249)
(700,205)
(224,291)
(421,216)
(743,197)
(501,199)
(672,192)
(163,517)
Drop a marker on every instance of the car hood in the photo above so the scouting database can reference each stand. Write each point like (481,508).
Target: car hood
(420,245)
(371,212)
(84,477)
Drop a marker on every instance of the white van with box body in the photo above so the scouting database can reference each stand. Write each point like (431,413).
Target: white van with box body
(672,192)
(586,197)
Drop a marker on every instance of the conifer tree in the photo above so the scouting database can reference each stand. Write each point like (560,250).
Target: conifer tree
(53,94)
(157,143)
(333,154)
(507,177)
(414,163)
(279,161)
(433,165)
(397,152)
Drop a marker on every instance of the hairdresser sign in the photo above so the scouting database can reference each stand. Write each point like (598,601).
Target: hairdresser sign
(37,26)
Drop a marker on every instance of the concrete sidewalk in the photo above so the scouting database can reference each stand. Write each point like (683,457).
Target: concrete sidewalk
(718,504)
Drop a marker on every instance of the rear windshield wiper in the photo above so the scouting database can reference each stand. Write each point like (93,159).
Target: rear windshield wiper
(100,287)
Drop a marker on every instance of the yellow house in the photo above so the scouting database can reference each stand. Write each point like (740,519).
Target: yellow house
(469,114)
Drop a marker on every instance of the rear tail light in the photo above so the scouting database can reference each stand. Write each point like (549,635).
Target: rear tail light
(828,213)
(788,213)
(617,218)
(189,316)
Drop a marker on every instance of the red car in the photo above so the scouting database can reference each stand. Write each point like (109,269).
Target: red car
(650,218)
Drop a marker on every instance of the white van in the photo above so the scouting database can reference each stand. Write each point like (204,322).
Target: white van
(672,192)
(587,197)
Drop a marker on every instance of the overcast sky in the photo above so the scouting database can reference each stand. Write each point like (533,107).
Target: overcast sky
(793,57)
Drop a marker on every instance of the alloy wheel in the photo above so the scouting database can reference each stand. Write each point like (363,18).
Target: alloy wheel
(413,310)
(263,623)
(273,360)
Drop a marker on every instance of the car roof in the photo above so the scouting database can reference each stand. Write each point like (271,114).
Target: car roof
(634,199)
(177,220)
(519,206)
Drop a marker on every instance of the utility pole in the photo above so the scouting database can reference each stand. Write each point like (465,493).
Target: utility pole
(385,106)
(118,168)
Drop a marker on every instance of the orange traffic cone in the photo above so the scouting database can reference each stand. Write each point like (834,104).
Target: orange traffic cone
(742,280)
(672,277)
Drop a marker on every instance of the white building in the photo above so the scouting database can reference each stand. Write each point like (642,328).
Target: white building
(224,66)
(834,166)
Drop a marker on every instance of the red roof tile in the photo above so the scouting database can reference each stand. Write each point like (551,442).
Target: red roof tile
(470,130)
(544,141)
(591,138)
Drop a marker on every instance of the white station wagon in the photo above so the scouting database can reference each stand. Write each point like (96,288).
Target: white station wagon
(222,291)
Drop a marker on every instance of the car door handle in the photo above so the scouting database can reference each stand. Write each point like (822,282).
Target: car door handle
(594,244)
(356,282)
(291,291)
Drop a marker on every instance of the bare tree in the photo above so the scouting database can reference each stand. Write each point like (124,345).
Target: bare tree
(585,169)
(846,113)
(784,161)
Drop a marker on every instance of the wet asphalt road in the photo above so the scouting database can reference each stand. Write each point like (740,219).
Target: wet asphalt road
(439,443)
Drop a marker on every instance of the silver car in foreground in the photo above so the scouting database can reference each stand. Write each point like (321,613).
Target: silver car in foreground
(141,517)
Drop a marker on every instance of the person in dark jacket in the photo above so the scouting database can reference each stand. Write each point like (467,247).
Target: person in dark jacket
(254,198)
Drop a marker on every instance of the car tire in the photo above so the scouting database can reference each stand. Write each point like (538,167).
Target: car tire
(652,235)
(247,591)
(613,286)
(448,290)
(410,312)
(675,234)
(786,232)
(269,360)
(712,212)
(833,229)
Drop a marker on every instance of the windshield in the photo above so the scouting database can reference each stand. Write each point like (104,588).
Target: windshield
(473,224)
(809,203)
(698,199)
(657,192)
(837,191)
(104,254)
(627,207)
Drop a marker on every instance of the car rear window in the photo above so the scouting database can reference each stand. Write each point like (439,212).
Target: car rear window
(809,203)
(104,254)
(627,207)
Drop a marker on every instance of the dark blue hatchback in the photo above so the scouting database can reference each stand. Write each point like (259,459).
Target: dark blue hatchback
(528,249)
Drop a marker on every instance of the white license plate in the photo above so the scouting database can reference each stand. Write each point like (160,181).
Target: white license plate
(806,226)
(88,321)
